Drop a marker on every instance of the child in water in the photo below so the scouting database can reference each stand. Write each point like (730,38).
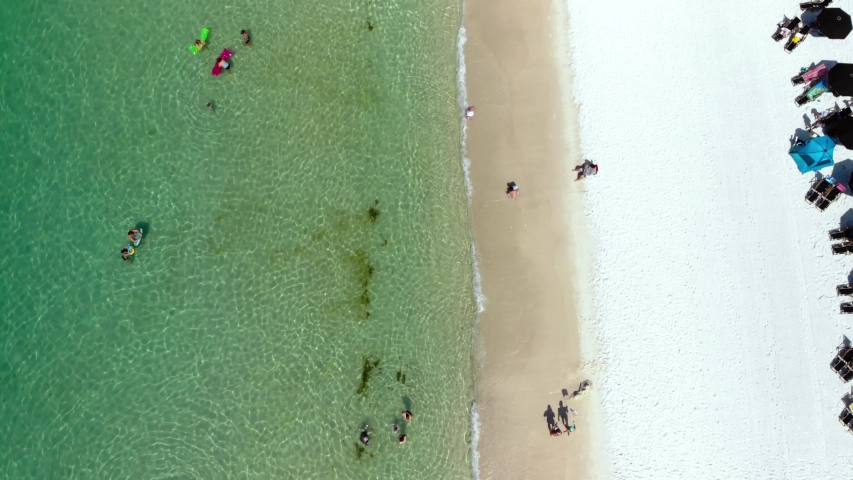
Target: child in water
(126,252)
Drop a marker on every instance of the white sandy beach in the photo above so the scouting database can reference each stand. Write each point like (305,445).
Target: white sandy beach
(716,315)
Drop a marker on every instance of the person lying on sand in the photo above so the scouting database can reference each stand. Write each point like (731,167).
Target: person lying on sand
(587,169)
(512,190)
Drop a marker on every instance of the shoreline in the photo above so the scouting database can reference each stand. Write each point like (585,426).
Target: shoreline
(530,254)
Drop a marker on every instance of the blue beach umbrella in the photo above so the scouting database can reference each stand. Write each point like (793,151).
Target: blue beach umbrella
(814,155)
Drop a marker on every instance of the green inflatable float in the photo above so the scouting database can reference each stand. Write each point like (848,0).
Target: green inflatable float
(203,37)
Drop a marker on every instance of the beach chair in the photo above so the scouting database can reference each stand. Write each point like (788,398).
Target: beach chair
(846,374)
(847,355)
(846,307)
(842,290)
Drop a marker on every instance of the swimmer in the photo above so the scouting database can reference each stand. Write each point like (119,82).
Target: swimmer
(403,439)
(246,39)
(407,416)
(222,63)
(135,236)
(199,44)
(126,252)
(210,106)
(469,113)
(364,437)
(395,428)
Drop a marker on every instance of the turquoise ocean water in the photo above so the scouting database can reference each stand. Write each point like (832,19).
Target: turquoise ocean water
(306,267)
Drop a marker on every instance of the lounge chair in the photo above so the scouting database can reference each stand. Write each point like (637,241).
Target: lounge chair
(841,234)
(847,355)
(790,25)
(827,198)
(811,195)
(846,289)
(796,38)
(846,374)
(846,307)
(815,5)
(816,190)
(839,249)
(846,416)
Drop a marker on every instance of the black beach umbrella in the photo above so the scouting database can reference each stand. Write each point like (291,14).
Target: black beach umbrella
(841,80)
(842,132)
(834,23)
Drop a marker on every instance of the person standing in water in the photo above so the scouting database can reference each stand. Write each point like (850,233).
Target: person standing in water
(126,252)
(363,436)
(246,38)
(407,416)
(403,439)
(135,236)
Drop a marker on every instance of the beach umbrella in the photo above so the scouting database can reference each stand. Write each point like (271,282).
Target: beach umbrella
(842,132)
(814,155)
(841,79)
(834,23)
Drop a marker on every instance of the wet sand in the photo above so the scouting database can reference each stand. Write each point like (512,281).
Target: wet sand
(523,131)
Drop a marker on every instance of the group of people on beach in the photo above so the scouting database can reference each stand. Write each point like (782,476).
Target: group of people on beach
(364,435)
(563,414)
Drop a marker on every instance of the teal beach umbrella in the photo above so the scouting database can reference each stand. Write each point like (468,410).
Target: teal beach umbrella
(814,155)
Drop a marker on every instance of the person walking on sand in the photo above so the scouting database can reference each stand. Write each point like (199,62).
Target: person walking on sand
(469,113)
(587,169)
(512,190)
(555,430)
